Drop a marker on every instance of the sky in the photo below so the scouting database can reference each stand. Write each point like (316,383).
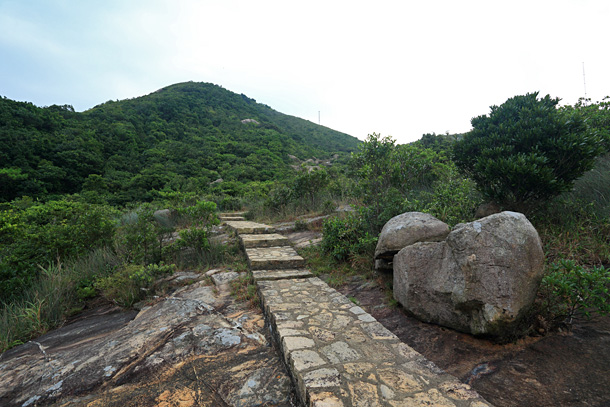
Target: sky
(397,68)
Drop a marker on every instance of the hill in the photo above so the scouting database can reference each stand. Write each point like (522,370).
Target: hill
(182,138)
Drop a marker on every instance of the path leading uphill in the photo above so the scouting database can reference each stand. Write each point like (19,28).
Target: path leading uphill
(338,354)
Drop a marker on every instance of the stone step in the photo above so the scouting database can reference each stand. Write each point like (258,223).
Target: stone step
(263,240)
(260,275)
(249,228)
(339,355)
(242,213)
(273,258)
(232,218)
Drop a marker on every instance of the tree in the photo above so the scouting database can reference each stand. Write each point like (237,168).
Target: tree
(526,151)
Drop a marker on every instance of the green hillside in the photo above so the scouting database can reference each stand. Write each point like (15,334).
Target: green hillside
(179,138)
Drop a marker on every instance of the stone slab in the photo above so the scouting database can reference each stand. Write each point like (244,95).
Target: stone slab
(280,274)
(274,258)
(339,355)
(242,213)
(247,227)
(231,218)
(263,240)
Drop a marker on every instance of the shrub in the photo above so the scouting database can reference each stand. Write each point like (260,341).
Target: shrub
(387,173)
(308,187)
(32,234)
(526,151)
(594,186)
(129,283)
(345,237)
(571,290)
(452,198)
(139,238)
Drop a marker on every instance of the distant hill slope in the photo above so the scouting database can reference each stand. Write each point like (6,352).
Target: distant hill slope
(181,137)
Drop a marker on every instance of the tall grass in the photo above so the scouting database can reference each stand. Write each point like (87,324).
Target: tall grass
(576,225)
(45,304)
(594,187)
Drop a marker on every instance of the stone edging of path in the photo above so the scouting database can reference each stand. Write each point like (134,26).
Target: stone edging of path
(339,355)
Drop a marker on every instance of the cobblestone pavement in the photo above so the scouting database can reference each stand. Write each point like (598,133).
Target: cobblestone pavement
(339,355)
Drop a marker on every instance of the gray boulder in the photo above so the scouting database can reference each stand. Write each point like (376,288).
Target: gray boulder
(480,280)
(406,229)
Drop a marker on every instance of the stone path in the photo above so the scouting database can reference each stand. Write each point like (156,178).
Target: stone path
(338,354)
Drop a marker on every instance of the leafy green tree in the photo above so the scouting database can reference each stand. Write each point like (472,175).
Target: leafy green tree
(526,151)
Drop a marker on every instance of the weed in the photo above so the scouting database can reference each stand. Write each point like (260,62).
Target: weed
(243,289)
(300,226)
(130,283)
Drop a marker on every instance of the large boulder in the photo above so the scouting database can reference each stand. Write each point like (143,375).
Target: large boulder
(481,279)
(406,229)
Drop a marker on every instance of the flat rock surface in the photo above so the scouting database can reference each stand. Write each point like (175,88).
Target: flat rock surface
(194,348)
(304,238)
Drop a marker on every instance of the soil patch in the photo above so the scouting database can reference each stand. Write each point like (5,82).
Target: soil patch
(560,369)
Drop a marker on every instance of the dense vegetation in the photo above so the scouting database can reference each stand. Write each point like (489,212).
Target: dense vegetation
(180,138)
(107,201)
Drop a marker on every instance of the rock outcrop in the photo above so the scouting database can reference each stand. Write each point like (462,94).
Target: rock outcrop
(194,347)
(404,230)
(480,280)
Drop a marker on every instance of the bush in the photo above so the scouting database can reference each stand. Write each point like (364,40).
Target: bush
(308,187)
(139,238)
(33,234)
(526,151)
(130,283)
(571,290)
(346,237)
(453,199)
(386,173)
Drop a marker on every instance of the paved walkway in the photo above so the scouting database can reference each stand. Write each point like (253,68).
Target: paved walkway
(338,354)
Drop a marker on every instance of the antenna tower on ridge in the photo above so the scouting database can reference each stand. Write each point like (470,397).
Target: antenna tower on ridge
(584,82)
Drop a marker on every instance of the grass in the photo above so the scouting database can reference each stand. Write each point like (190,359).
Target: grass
(574,231)
(244,290)
(46,303)
(64,288)
(335,273)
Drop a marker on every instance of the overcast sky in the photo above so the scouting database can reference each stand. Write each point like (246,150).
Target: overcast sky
(399,68)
